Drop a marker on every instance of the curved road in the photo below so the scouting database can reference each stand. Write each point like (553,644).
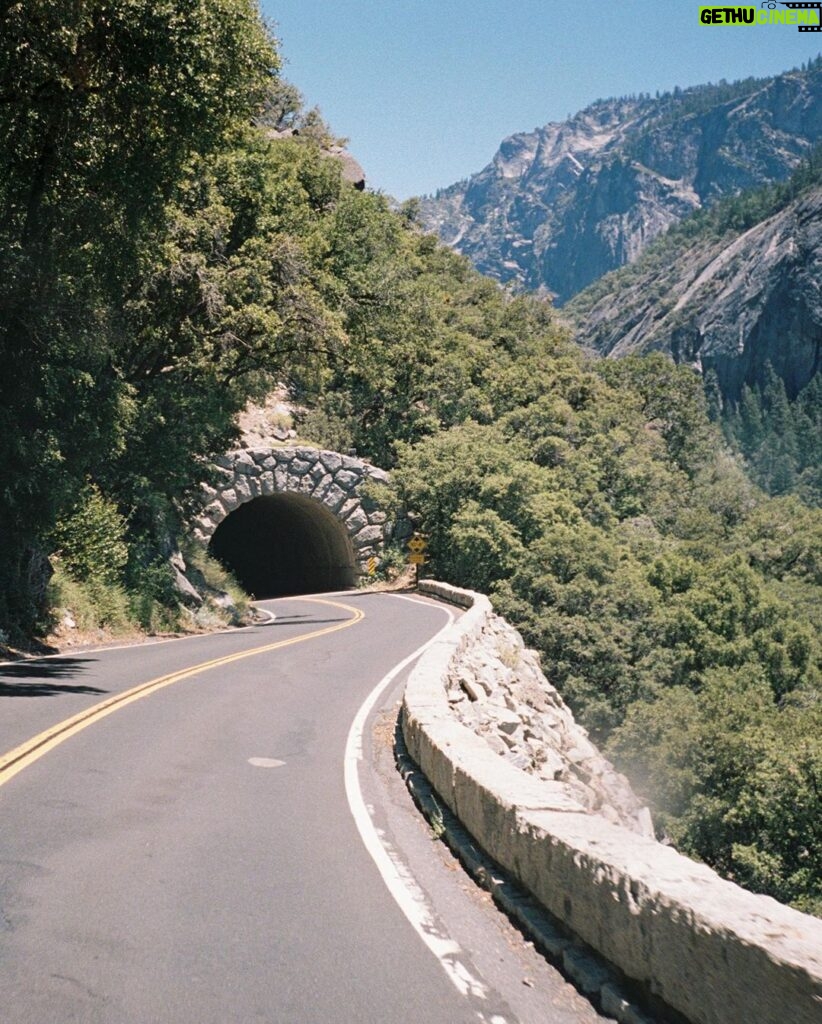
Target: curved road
(188,853)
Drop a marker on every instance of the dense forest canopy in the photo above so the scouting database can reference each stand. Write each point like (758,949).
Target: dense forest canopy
(164,260)
(115,118)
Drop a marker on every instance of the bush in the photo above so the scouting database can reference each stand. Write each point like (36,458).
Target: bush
(212,577)
(89,540)
(93,604)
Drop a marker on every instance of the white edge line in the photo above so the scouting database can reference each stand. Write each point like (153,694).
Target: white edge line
(398,879)
(70,652)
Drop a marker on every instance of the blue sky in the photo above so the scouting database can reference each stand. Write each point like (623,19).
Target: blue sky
(425,91)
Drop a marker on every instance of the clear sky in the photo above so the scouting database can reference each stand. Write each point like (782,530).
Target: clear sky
(425,90)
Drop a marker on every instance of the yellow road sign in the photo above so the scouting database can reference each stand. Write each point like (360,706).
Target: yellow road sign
(372,566)
(417,543)
(416,559)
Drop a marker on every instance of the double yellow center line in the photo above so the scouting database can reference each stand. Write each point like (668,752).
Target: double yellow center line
(32,750)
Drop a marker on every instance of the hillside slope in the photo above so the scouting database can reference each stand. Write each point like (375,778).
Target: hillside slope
(560,206)
(728,300)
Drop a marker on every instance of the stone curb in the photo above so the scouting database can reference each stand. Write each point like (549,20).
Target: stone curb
(590,974)
(713,952)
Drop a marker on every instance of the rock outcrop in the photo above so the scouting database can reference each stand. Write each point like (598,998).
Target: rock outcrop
(558,207)
(350,169)
(731,304)
(498,690)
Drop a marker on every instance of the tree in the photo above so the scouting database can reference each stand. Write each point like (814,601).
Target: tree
(776,460)
(102,107)
(713,396)
(673,399)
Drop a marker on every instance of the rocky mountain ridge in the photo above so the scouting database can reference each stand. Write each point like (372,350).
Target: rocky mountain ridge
(560,206)
(731,302)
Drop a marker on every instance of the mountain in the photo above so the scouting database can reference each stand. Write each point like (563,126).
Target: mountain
(558,207)
(733,290)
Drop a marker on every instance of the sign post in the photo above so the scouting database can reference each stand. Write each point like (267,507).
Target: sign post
(416,553)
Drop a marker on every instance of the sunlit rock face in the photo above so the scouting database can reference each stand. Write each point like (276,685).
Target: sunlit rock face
(734,304)
(560,206)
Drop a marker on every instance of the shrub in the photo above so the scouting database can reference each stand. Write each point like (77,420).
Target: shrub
(90,539)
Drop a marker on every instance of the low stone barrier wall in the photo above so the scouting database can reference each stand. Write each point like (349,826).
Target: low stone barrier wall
(710,950)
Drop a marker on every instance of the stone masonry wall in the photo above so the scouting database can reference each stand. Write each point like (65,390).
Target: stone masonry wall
(704,946)
(333,480)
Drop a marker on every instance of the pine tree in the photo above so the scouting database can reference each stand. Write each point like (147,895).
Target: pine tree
(713,396)
(750,433)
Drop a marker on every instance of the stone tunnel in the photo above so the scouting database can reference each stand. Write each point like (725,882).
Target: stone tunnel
(292,520)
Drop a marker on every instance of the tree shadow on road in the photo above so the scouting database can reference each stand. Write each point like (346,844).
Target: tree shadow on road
(42,679)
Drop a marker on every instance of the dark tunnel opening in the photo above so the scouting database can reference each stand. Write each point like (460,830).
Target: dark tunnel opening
(285,544)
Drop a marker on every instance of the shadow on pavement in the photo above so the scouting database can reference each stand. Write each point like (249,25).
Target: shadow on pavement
(42,679)
(43,689)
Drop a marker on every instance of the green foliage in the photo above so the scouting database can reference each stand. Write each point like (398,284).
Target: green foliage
(780,440)
(674,605)
(735,780)
(329,425)
(284,111)
(777,818)
(425,336)
(90,540)
(215,579)
(104,108)
(93,604)
(673,401)
(484,546)
(164,259)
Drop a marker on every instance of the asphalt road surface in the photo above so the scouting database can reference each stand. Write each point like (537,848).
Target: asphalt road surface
(180,842)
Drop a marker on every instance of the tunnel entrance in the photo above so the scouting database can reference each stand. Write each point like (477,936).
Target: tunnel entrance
(285,544)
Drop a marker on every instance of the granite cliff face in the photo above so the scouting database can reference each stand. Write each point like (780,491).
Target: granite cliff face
(731,303)
(558,207)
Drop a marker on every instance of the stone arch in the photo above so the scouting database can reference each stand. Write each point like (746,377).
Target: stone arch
(312,496)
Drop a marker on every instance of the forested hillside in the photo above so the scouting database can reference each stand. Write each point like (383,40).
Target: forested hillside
(164,260)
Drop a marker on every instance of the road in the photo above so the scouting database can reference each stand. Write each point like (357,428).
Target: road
(195,853)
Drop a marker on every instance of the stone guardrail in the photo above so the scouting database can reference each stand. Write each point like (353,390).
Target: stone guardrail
(707,948)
